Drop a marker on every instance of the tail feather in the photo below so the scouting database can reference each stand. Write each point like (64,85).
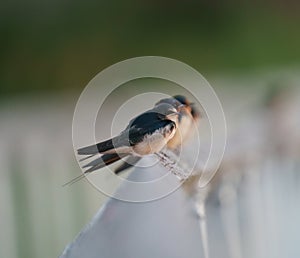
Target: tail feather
(131,161)
(96,148)
(98,163)
(103,161)
(74,180)
(87,157)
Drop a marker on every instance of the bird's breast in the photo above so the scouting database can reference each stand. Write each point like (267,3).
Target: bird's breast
(181,135)
(154,142)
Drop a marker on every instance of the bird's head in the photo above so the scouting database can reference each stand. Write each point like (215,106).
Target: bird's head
(184,101)
(189,106)
(170,101)
(168,112)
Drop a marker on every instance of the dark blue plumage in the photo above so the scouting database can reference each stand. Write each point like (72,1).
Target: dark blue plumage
(152,127)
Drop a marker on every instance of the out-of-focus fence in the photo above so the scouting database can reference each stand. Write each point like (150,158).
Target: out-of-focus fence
(38,215)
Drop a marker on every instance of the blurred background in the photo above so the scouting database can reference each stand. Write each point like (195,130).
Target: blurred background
(249,52)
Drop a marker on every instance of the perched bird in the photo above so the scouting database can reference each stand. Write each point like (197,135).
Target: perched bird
(189,116)
(146,134)
(187,122)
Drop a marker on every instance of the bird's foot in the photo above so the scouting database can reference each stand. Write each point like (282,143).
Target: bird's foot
(170,161)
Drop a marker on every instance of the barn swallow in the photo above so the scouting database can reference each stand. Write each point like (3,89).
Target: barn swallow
(146,134)
(189,115)
(191,106)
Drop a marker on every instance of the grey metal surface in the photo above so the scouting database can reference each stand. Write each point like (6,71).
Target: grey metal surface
(167,227)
